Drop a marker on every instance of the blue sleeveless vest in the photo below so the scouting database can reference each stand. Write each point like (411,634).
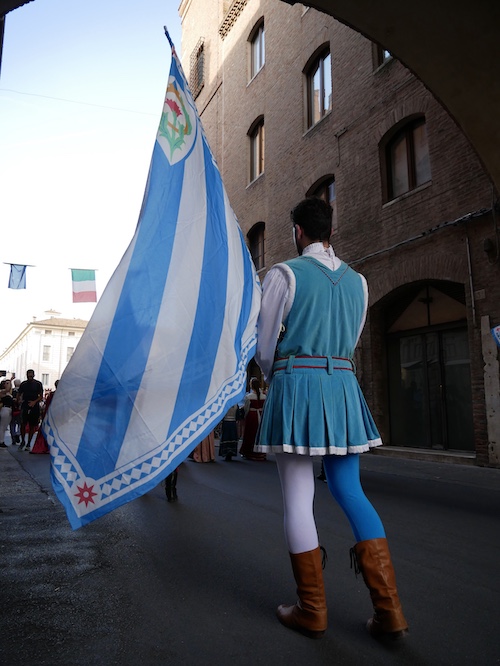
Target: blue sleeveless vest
(326,313)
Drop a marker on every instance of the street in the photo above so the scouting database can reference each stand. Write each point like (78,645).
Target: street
(198,581)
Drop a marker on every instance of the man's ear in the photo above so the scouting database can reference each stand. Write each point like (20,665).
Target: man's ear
(299,232)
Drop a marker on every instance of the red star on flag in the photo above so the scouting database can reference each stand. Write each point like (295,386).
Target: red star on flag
(85,494)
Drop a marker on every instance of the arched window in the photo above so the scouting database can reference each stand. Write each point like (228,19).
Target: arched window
(319,87)
(406,156)
(257,146)
(256,239)
(326,189)
(257,48)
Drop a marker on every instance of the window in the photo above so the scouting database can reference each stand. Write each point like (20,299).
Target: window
(46,353)
(319,88)
(380,56)
(256,242)
(257,145)
(327,190)
(257,49)
(45,379)
(69,353)
(71,333)
(47,332)
(407,159)
(197,67)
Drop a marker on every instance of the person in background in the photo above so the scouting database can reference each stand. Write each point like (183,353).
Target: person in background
(30,396)
(40,445)
(171,486)
(228,444)
(6,405)
(315,407)
(254,403)
(15,424)
(205,451)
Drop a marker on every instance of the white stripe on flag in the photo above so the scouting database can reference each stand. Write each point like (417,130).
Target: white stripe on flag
(83,285)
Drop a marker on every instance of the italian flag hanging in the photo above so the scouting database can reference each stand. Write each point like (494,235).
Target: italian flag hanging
(84,290)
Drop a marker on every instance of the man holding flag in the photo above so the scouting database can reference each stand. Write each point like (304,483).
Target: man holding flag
(165,353)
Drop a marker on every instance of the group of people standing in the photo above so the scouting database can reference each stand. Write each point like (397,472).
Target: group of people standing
(243,421)
(22,405)
(238,421)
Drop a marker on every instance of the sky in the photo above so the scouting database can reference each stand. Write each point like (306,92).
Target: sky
(82,86)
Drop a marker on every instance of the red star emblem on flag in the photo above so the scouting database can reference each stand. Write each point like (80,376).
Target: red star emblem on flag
(86,494)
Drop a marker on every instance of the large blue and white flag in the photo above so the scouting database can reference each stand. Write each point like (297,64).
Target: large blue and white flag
(165,353)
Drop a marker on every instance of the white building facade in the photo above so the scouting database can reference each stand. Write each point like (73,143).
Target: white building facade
(45,346)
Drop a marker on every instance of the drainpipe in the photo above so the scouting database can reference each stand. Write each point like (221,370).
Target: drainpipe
(471,284)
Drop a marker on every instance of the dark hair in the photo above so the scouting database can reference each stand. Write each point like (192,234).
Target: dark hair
(255,385)
(315,217)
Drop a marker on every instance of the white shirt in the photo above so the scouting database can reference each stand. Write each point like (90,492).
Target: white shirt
(278,294)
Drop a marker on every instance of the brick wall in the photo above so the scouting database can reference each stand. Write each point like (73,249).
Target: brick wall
(346,143)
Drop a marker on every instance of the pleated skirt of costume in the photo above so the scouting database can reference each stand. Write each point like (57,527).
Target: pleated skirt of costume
(311,411)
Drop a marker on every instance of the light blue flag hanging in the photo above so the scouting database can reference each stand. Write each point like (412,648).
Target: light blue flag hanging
(495,332)
(165,353)
(17,279)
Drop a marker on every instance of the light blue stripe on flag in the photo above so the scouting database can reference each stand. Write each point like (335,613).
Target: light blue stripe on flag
(165,353)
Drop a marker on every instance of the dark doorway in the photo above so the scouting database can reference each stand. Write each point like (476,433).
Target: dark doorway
(430,395)
(430,391)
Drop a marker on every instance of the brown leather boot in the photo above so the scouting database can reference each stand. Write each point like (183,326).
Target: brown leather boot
(309,614)
(373,560)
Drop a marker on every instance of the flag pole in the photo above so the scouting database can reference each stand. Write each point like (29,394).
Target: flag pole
(8,263)
(168,37)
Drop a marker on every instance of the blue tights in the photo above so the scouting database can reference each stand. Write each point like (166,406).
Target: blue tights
(342,474)
(298,487)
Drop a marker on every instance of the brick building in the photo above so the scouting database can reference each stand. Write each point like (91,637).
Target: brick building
(295,104)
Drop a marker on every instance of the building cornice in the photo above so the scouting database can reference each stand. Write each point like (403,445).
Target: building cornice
(230,18)
(7,6)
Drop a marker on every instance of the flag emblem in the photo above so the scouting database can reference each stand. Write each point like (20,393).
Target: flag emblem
(176,132)
(164,355)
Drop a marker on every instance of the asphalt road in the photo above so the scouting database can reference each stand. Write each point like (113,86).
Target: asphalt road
(197,582)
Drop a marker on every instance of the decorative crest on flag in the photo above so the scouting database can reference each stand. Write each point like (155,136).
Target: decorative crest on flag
(177,123)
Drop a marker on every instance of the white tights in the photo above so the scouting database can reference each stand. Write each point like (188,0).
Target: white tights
(297,484)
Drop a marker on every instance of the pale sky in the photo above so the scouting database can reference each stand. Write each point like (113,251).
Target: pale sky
(81,94)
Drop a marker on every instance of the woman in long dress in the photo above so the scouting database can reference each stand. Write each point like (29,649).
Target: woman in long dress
(254,403)
(205,451)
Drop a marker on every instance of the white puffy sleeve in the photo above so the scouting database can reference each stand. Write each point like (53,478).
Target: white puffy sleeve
(278,292)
